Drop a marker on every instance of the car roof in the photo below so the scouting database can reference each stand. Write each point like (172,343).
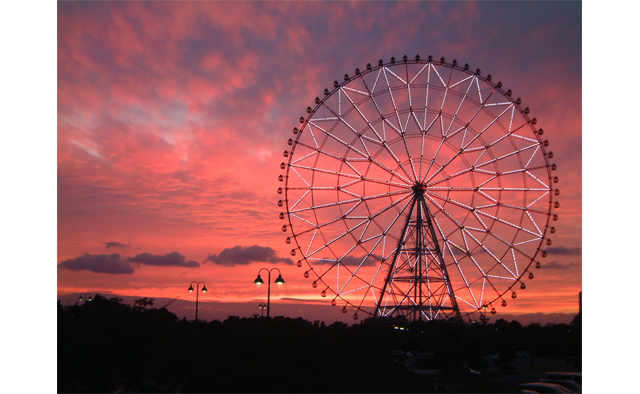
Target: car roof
(541,384)
(560,381)
(565,373)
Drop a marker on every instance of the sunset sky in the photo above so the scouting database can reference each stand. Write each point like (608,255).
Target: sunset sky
(172,119)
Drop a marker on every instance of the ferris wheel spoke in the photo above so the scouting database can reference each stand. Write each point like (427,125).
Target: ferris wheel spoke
(457,265)
(392,205)
(450,200)
(481,132)
(373,100)
(442,167)
(444,212)
(398,132)
(440,145)
(522,170)
(497,260)
(379,141)
(474,167)
(313,238)
(308,185)
(325,171)
(406,146)
(477,216)
(380,165)
(497,219)
(366,221)
(438,75)
(408,85)
(444,100)
(510,133)
(316,151)
(512,246)
(306,157)
(483,274)
(314,226)
(313,137)
(395,109)
(515,152)
(316,207)
(502,277)
(534,222)
(356,179)
(388,70)
(344,143)
(390,151)
(370,287)
(326,246)
(304,195)
(537,179)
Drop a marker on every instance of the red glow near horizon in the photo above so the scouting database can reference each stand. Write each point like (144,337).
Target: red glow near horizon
(172,120)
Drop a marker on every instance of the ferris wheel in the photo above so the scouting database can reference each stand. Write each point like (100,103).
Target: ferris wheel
(418,188)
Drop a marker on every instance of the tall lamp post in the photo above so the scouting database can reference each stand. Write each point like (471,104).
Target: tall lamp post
(86,296)
(279,281)
(204,290)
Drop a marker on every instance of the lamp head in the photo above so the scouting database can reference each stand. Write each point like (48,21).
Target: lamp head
(279,281)
(190,289)
(204,289)
(258,281)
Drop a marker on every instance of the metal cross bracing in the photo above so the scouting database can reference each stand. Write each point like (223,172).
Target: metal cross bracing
(418,188)
(419,266)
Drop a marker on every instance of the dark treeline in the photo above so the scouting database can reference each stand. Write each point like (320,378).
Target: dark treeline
(107,346)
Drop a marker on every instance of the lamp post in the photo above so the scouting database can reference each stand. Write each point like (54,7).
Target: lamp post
(87,296)
(204,290)
(279,281)
(262,306)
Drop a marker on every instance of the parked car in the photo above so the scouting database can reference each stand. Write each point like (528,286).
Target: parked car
(522,354)
(540,387)
(572,376)
(571,385)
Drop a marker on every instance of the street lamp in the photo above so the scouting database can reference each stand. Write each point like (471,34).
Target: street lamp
(262,306)
(204,290)
(85,295)
(279,281)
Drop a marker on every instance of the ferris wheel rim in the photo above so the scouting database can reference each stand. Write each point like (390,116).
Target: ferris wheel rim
(408,179)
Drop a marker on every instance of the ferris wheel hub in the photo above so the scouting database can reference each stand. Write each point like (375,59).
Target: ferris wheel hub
(419,188)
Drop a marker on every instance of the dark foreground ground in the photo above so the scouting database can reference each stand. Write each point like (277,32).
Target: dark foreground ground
(107,346)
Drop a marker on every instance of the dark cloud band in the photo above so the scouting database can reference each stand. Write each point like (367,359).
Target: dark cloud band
(118,245)
(173,259)
(101,264)
(559,266)
(243,255)
(117,264)
(564,251)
